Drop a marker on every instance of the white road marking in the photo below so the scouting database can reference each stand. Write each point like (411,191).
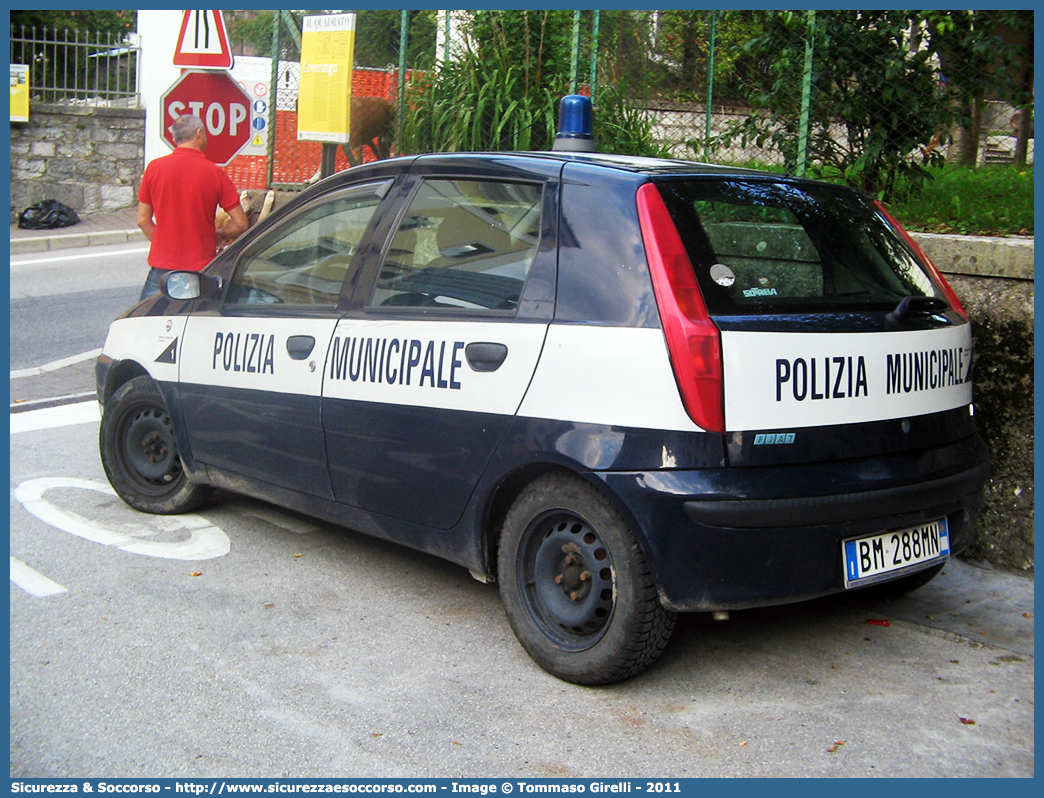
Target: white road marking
(51,417)
(205,541)
(72,360)
(52,401)
(33,582)
(63,258)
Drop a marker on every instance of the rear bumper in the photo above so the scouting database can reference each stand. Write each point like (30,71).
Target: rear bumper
(841,507)
(733,538)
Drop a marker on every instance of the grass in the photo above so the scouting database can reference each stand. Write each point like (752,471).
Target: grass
(994,200)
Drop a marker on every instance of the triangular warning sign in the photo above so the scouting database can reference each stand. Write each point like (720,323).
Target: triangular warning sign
(203,41)
(170,354)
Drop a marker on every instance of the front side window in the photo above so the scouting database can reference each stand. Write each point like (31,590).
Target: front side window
(463,244)
(305,261)
(765,247)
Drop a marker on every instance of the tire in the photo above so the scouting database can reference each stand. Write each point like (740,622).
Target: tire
(898,588)
(578,593)
(140,454)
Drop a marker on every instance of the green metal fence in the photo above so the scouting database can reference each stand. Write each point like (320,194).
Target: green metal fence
(871,97)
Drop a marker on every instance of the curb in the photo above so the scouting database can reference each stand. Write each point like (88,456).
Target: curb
(979,256)
(21,246)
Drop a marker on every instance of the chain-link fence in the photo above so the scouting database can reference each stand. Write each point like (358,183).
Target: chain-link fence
(870,97)
(385,42)
(873,98)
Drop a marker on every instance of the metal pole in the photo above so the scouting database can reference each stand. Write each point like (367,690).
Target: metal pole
(594,54)
(806,98)
(575,55)
(291,26)
(137,74)
(404,39)
(328,160)
(446,39)
(273,96)
(710,85)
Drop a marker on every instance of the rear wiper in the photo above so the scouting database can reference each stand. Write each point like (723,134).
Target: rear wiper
(916,306)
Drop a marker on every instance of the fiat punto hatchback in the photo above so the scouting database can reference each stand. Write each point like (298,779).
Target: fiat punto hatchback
(621,388)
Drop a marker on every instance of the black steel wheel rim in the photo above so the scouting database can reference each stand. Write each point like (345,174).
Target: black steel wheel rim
(147,449)
(568,580)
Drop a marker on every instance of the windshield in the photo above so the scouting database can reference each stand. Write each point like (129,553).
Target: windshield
(762,247)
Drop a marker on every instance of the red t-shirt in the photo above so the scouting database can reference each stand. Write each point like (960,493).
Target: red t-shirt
(184,190)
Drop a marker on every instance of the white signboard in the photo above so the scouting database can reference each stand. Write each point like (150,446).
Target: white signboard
(784,380)
(254,76)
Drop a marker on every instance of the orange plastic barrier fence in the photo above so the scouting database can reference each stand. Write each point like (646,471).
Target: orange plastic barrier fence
(299,161)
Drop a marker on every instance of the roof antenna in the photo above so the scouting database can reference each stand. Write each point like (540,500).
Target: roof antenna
(575,125)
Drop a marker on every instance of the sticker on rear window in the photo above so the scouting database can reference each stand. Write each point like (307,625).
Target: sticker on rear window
(722,275)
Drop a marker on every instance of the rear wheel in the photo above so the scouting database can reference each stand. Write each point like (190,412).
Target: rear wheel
(578,592)
(140,454)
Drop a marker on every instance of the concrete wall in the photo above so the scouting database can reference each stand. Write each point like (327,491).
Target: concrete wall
(88,158)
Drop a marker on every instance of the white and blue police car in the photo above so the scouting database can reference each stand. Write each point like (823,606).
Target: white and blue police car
(621,388)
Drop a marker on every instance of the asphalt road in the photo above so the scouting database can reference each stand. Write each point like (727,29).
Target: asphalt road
(61,302)
(285,647)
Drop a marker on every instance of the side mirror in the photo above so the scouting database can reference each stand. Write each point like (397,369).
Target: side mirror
(189,285)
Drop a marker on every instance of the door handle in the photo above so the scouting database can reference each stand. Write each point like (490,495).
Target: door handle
(484,356)
(299,346)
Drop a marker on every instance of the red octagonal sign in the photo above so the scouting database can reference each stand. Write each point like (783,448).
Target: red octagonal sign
(222,105)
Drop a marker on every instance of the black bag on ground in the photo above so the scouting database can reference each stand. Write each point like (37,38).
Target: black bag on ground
(47,215)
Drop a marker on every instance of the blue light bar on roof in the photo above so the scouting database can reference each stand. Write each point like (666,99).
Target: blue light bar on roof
(575,125)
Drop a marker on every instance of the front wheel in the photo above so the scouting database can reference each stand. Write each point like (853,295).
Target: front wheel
(140,453)
(577,590)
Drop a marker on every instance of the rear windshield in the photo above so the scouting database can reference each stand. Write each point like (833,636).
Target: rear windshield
(761,247)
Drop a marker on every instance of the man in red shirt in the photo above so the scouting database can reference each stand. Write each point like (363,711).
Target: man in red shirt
(177,200)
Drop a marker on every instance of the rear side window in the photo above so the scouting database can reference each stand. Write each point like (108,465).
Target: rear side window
(764,247)
(463,244)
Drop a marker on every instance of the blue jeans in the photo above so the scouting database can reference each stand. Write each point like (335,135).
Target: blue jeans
(152,283)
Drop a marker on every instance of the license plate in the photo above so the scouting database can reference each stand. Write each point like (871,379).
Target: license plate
(867,559)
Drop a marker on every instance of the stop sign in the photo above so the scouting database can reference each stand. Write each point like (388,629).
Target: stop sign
(222,105)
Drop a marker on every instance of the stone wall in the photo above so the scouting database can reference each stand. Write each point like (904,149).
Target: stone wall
(88,158)
(682,126)
(993,278)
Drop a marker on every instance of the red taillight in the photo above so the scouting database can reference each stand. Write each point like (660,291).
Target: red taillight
(944,286)
(693,340)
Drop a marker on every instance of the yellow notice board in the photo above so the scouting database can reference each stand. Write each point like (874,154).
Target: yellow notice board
(324,98)
(19,92)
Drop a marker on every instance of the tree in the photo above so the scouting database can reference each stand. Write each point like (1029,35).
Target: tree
(875,102)
(983,55)
(114,23)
